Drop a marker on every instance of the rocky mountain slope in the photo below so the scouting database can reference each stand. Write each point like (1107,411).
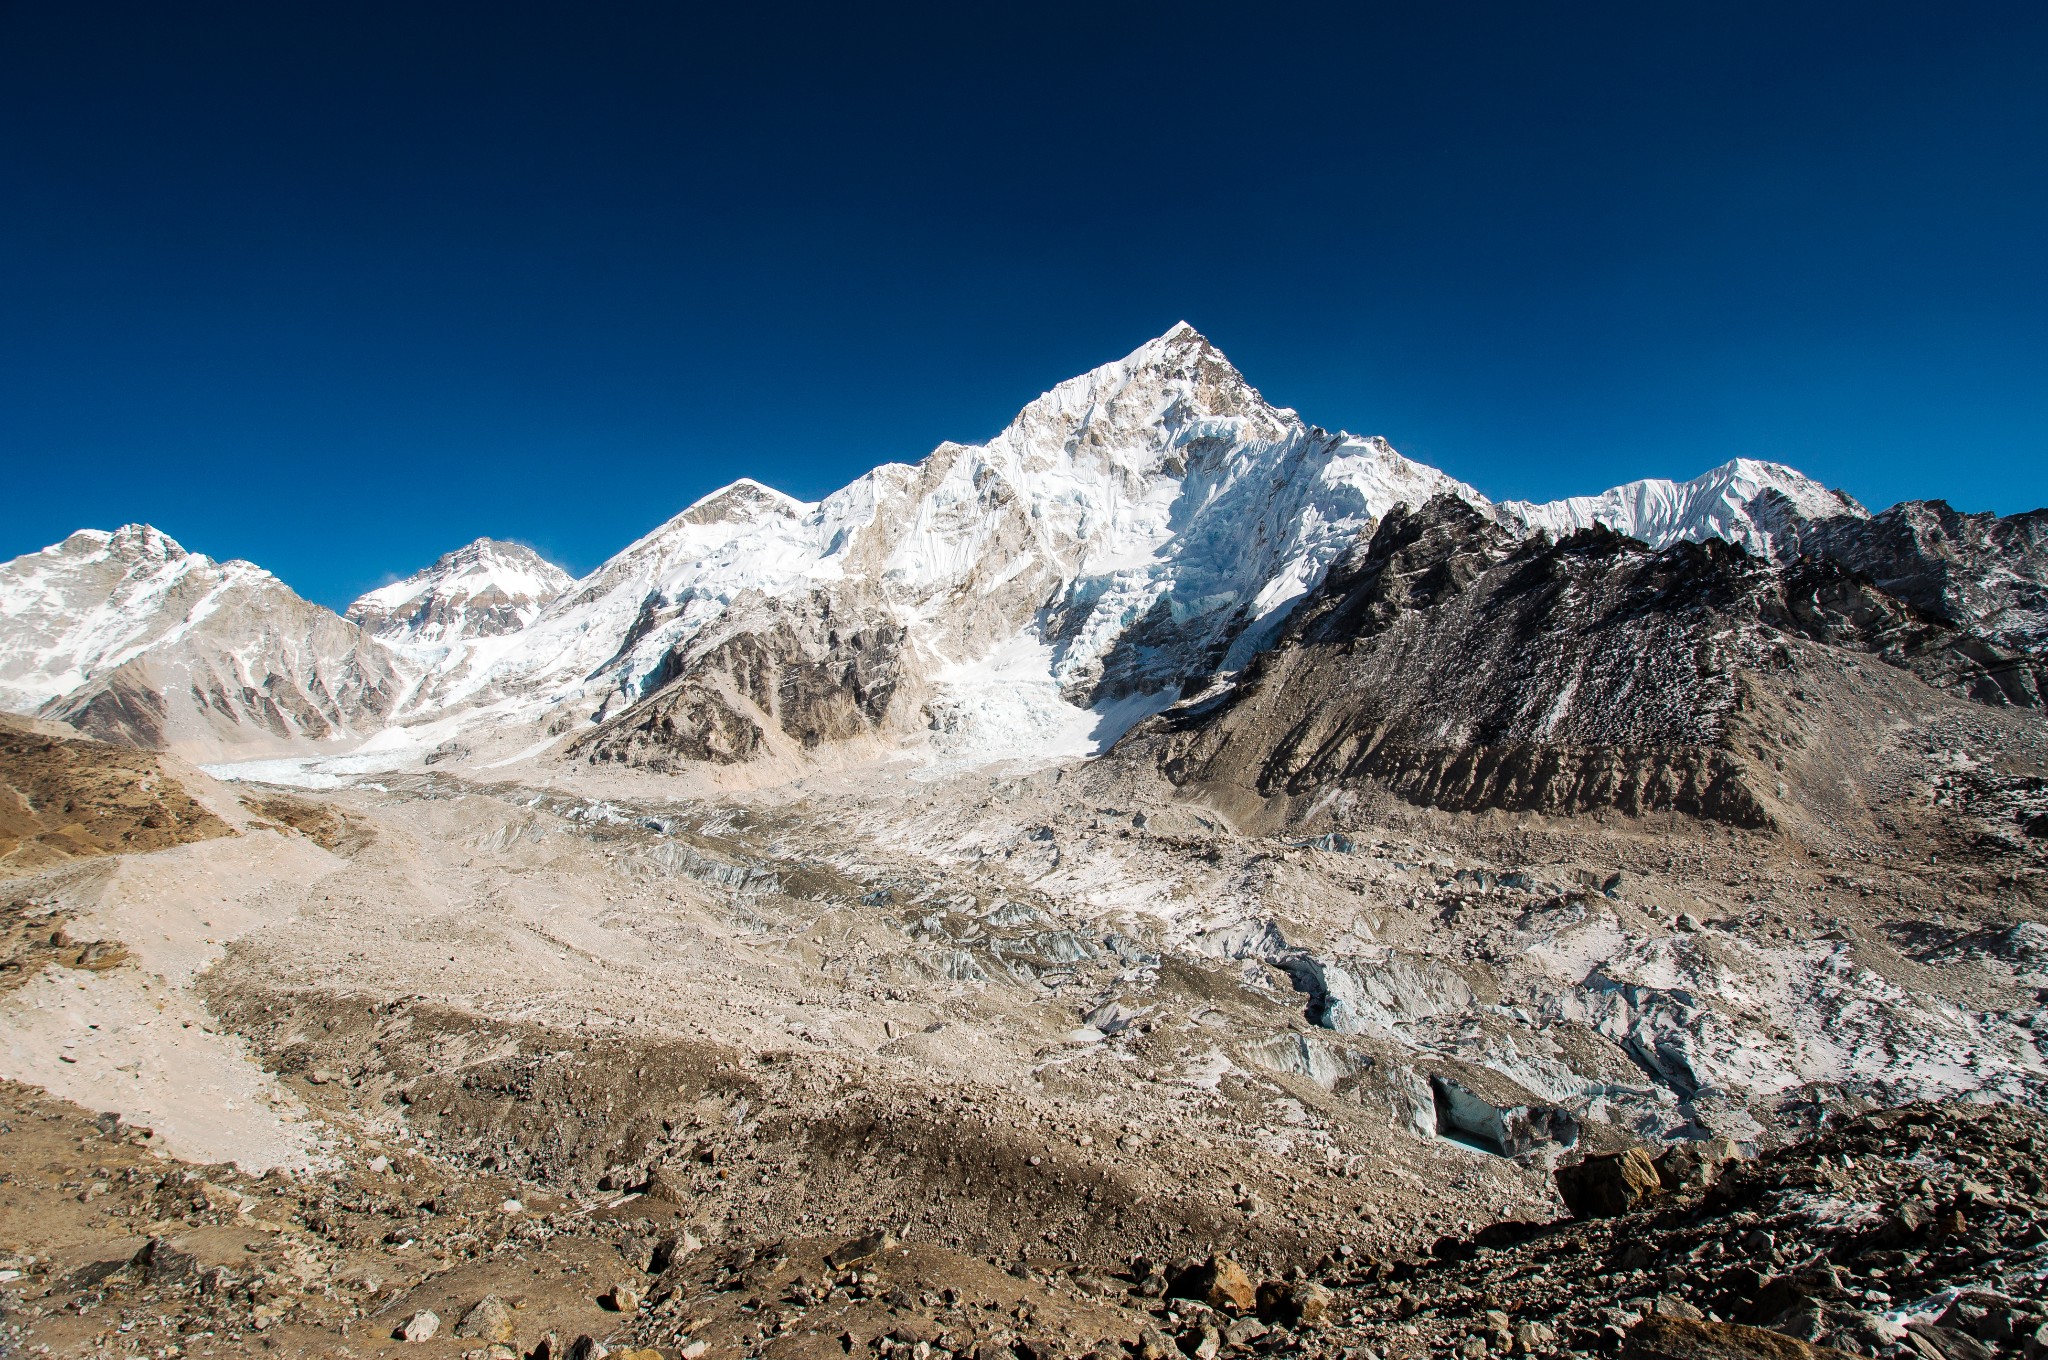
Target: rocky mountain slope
(1457,666)
(63,797)
(1137,524)
(1139,533)
(1064,1034)
(677,960)
(127,636)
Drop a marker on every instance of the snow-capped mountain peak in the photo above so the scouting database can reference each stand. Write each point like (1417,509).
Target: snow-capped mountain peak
(484,589)
(1145,525)
(127,635)
(742,501)
(1145,520)
(86,605)
(1745,501)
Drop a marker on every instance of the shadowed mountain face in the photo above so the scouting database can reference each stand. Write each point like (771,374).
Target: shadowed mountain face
(1982,575)
(1459,667)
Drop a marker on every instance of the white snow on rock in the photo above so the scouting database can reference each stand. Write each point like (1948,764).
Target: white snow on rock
(481,590)
(1744,501)
(1147,523)
(84,606)
(1160,492)
(129,637)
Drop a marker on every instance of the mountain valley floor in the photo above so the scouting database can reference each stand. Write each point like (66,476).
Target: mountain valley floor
(1024,1062)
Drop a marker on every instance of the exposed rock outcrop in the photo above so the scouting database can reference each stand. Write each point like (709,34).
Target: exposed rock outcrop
(1460,668)
(129,637)
(807,676)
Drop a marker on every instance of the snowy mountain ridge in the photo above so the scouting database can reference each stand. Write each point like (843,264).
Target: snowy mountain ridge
(84,606)
(1132,530)
(1743,501)
(127,635)
(1162,477)
(481,590)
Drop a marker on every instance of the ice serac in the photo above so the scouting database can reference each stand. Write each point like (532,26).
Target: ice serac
(127,636)
(1744,501)
(486,589)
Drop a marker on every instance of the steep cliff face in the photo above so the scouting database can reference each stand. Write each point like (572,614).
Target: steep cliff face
(792,680)
(1462,669)
(1458,667)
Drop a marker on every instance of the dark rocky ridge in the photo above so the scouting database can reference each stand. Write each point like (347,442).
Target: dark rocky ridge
(1459,668)
(1984,576)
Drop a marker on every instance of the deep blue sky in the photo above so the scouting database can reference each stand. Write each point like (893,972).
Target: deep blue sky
(338,287)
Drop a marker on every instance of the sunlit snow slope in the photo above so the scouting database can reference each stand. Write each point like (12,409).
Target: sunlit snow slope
(1133,532)
(127,635)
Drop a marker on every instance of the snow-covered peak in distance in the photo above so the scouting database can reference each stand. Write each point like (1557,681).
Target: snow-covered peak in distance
(84,606)
(128,636)
(1136,521)
(482,590)
(1745,501)
(1146,524)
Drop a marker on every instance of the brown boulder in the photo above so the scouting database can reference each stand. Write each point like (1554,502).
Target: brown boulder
(490,1320)
(669,1183)
(1304,1304)
(1696,1165)
(1604,1187)
(1219,1282)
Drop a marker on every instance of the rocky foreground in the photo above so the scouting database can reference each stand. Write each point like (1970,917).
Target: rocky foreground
(1916,1232)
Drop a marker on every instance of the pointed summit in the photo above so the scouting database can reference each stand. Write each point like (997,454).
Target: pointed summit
(479,590)
(741,500)
(1177,345)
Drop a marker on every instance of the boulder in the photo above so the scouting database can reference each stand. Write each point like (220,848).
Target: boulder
(421,1326)
(159,1263)
(1605,1187)
(1219,1282)
(1301,1304)
(1696,1165)
(669,1250)
(669,1183)
(1932,1341)
(1154,1344)
(490,1319)
(859,1249)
